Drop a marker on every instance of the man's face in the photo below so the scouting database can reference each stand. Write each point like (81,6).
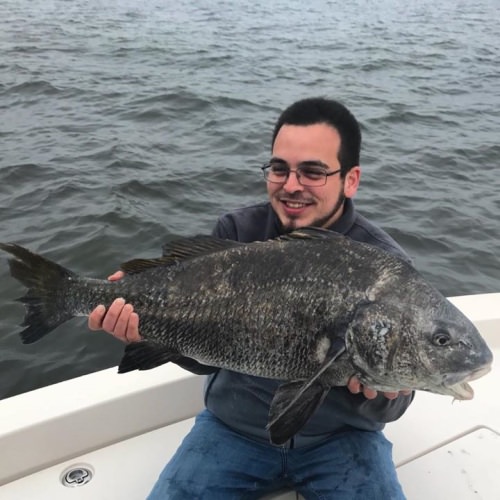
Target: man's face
(299,206)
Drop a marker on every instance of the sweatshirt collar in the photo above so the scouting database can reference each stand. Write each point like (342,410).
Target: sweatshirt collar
(345,222)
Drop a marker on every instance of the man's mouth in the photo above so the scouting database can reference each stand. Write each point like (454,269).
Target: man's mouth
(295,204)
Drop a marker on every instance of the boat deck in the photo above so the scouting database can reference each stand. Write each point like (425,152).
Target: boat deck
(124,428)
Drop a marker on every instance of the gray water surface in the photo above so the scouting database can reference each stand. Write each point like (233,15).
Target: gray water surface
(126,123)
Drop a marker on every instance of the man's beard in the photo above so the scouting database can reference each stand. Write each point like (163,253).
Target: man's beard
(293,224)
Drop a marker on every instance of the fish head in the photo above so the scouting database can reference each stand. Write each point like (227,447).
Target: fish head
(410,344)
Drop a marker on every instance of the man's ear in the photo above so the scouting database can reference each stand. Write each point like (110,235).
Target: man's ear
(351,182)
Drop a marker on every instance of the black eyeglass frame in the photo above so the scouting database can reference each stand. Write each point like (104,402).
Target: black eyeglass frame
(327,174)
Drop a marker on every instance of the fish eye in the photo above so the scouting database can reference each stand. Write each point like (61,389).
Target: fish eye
(441,338)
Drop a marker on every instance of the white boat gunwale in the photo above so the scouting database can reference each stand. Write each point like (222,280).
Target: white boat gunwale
(48,428)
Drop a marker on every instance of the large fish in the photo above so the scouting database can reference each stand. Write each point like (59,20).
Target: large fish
(312,308)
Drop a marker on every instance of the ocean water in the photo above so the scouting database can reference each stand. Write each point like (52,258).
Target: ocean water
(126,123)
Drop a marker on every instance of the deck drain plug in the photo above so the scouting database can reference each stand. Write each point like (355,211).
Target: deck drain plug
(76,475)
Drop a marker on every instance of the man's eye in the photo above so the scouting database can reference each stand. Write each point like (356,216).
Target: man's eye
(312,172)
(279,170)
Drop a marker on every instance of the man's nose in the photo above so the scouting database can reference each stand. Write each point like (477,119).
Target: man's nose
(292,183)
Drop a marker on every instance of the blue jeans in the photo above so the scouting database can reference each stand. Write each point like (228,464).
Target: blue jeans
(215,463)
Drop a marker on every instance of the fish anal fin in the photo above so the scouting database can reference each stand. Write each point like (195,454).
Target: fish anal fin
(145,355)
(193,366)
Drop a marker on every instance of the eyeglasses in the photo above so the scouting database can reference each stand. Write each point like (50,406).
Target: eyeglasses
(308,174)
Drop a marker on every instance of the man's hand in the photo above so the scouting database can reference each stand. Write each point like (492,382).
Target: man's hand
(355,386)
(120,319)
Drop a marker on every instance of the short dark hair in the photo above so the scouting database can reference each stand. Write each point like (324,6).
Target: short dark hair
(321,110)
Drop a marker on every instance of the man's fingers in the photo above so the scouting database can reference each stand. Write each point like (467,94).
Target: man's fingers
(111,318)
(369,393)
(96,317)
(118,275)
(121,325)
(120,320)
(133,328)
(99,319)
(354,385)
(391,395)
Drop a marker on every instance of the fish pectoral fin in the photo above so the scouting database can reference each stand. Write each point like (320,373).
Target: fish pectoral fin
(296,401)
(292,406)
(145,355)
(193,366)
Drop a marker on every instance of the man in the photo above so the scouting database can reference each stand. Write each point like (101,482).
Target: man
(341,452)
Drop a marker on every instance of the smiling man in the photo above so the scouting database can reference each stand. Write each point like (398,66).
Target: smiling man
(307,185)
(341,453)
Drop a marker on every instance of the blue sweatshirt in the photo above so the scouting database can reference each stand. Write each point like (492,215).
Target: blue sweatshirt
(242,401)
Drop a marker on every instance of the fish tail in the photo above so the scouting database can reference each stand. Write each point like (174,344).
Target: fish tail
(44,300)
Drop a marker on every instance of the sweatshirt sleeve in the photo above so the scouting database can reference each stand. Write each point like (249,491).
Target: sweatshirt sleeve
(223,229)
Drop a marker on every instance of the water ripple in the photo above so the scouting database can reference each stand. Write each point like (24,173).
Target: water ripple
(125,124)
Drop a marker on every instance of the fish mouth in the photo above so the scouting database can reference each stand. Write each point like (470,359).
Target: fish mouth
(462,390)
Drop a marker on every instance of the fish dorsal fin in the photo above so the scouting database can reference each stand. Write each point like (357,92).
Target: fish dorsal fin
(180,250)
(139,265)
(309,233)
(187,248)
